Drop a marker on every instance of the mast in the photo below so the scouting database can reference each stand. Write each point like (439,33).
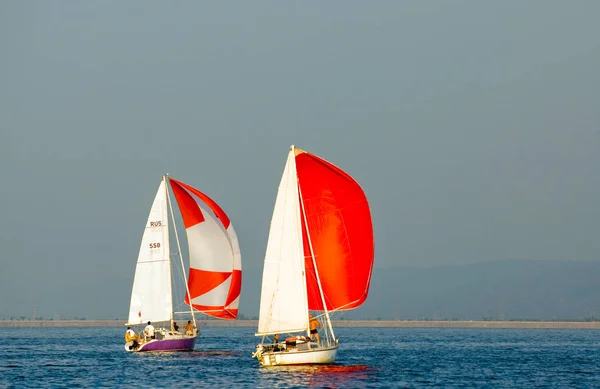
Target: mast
(312,255)
(167,238)
(179,251)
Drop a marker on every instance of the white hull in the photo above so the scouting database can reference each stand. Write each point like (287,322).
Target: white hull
(320,355)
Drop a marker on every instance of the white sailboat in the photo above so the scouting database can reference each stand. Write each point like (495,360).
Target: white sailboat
(319,258)
(214,268)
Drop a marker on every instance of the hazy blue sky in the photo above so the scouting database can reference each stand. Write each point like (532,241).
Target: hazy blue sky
(474,128)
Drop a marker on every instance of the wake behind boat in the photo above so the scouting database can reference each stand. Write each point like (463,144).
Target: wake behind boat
(319,257)
(215,271)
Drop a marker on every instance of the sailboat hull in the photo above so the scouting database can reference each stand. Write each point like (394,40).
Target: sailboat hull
(322,355)
(184,343)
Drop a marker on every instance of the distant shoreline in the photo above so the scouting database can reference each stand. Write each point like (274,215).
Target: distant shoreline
(336,323)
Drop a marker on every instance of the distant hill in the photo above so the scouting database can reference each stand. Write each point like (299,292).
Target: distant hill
(506,290)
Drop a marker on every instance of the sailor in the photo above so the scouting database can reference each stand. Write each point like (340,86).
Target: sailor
(313,324)
(149,331)
(132,339)
(189,328)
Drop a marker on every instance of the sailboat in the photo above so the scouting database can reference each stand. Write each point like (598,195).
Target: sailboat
(319,257)
(215,270)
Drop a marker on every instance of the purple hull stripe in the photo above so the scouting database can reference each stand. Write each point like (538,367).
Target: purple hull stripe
(186,344)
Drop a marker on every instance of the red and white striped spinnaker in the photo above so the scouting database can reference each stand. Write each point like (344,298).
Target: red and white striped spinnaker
(215,277)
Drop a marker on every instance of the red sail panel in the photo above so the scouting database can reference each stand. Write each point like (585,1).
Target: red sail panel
(202,281)
(214,312)
(236,286)
(341,233)
(190,212)
(210,202)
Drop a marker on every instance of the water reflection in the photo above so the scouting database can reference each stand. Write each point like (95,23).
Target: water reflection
(190,353)
(215,352)
(187,355)
(330,376)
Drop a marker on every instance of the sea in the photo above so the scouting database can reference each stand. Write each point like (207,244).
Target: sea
(83,357)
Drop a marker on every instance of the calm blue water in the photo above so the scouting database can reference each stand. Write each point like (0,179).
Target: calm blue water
(45,357)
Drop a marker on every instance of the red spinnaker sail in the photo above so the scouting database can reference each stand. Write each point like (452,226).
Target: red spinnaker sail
(341,233)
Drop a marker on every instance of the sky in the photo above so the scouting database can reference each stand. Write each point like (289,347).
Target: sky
(473,127)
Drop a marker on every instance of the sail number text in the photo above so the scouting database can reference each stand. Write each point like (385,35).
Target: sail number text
(155,245)
(156,224)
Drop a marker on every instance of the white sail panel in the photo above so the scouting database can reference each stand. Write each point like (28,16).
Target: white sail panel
(215,297)
(237,256)
(235,288)
(151,293)
(209,245)
(234,304)
(210,252)
(283,301)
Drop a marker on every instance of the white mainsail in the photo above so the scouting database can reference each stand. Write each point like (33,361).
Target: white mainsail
(283,303)
(151,294)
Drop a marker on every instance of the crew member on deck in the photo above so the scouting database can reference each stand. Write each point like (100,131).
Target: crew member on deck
(149,331)
(189,328)
(313,324)
(132,339)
